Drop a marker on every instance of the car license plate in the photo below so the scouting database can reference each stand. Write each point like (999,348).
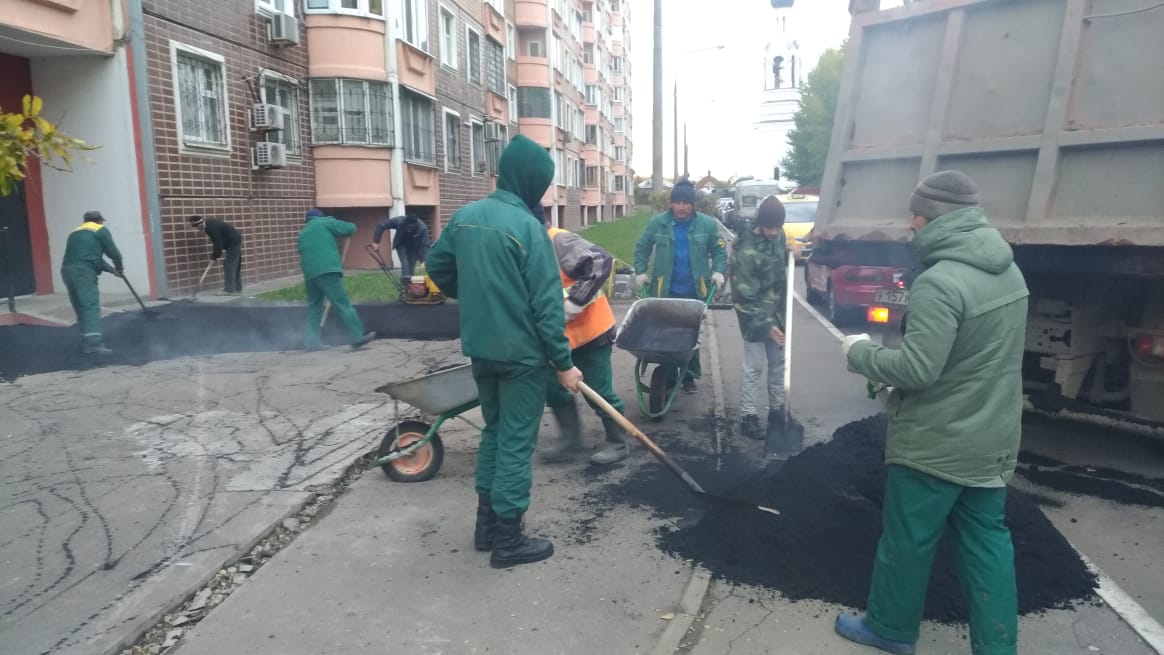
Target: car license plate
(892,296)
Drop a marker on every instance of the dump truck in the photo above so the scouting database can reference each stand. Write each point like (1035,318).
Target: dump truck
(1056,109)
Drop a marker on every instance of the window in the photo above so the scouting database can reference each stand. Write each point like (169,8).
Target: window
(592,135)
(620,153)
(618,91)
(452,141)
(579,172)
(416,121)
(620,183)
(284,92)
(473,56)
(591,176)
(616,64)
(591,94)
(271,7)
(555,49)
(372,8)
(201,97)
(352,112)
(534,102)
(534,48)
(618,124)
(477,149)
(512,104)
(448,38)
(495,147)
(495,66)
(510,41)
(416,24)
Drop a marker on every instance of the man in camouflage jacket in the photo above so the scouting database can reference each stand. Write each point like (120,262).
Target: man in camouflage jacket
(759,283)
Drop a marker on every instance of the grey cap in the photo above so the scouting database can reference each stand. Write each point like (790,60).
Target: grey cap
(93,216)
(942,193)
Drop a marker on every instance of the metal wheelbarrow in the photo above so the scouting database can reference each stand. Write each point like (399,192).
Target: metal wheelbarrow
(664,332)
(412,450)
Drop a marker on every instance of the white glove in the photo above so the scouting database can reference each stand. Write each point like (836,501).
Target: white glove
(717,279)
(573,309)
(641,279)
(848,341)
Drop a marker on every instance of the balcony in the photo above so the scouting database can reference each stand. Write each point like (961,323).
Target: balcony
(533,71)
(531,13)
(352,177)
(540,130)
(589,34)
(494,23)
(591,196)
(345,46)
(590,155)
(417,68)
(42,27)
(497,108)
(616,19)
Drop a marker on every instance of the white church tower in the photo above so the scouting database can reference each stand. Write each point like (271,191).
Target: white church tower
(783,75)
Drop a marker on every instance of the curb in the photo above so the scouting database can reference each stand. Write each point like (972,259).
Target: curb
(689,604)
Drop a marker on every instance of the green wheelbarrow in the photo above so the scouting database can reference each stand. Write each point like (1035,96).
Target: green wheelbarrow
(664,332)
(412,450)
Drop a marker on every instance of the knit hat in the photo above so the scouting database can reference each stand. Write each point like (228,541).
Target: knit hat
(93,217)
(313,213)
(538,212)
(770,213)
(683,191)
(942,193)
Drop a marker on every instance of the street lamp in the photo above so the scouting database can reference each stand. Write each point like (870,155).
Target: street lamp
(675,116)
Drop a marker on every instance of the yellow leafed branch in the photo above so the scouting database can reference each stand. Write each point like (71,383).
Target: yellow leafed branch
(28,135)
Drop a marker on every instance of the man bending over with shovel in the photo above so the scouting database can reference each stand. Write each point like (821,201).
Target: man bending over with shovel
(498,261)
(956,410)
(590,327)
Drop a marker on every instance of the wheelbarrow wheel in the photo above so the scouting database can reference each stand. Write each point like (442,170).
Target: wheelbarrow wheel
(660,389)
(421,465)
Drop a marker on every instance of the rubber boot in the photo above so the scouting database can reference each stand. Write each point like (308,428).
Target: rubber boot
(856,629)
(570,439)
(512,547)
(615,449)
(486,524)
(97,350)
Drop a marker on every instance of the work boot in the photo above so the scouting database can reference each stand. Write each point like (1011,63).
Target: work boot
(364,340)
(750,426)
(486,524)
(615,449)
(98,350)
(689,386)
(512,547)
(570,438)
(855,628)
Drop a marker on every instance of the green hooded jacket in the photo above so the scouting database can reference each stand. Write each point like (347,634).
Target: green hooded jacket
(318,252)
(498,261)
(956,408)
(708,252)
(759,283)
(88,245)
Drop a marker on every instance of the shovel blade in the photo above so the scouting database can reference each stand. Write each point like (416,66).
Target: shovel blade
(785,438)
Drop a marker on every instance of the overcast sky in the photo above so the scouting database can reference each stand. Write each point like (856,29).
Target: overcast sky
(718,89)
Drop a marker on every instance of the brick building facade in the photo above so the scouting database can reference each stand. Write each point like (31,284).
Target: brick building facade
(209,63)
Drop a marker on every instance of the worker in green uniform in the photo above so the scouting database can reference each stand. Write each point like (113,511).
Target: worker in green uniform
(323,275)
(689,256)
(497,260)
(85,253)
(955,403)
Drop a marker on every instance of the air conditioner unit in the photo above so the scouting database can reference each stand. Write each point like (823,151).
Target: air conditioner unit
(283,29)
(492,131)
(267,154)
(266,117)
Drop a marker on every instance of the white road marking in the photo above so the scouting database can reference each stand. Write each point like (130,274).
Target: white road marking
(1132,613)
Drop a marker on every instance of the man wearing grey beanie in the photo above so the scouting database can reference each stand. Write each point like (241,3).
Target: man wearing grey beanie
(955,406)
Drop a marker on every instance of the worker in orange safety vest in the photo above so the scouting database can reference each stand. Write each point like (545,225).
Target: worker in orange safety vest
(590,327)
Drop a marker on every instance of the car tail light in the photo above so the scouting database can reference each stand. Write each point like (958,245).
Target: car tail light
(1148,344)
(877,315)
(899,279)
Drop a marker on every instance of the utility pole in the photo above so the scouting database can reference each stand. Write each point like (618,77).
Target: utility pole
(657,107)
(686,172)
(675,132)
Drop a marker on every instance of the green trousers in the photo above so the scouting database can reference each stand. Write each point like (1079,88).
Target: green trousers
(84,295)
(918,508)
(594,362)
(694,367)
(512,398)
(331,287)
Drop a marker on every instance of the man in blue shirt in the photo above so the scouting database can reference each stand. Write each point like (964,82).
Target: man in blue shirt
(688,257)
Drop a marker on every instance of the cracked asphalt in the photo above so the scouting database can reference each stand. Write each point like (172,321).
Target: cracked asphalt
(126,489)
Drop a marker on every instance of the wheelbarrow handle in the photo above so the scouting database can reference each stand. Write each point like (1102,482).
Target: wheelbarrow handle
(707,301)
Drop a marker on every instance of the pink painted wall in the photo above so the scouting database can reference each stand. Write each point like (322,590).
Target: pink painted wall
(530,13)
(416,68)
(345,46)
(533,71)
(350,176)
(83,23)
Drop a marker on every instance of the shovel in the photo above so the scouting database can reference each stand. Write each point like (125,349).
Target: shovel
(202,279)
(692,485)
(149,313)
(786,437)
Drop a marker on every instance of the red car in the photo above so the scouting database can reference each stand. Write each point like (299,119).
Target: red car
(854,294)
